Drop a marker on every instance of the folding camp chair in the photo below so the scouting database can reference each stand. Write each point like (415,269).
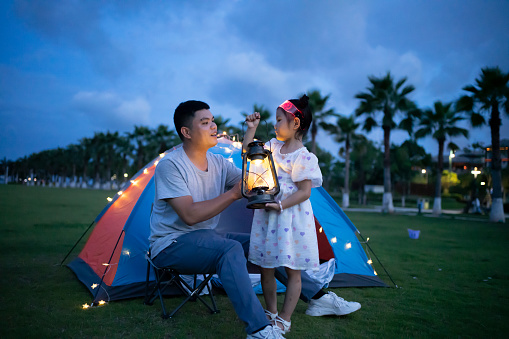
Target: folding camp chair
(166,277)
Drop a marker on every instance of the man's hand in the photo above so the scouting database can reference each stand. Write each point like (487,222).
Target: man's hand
(236,191)
(253,120)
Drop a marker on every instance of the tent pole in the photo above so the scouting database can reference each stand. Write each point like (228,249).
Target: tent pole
(377,258)
(77,242)
(107,267)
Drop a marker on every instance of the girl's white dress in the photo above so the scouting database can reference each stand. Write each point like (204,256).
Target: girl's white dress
(287,238)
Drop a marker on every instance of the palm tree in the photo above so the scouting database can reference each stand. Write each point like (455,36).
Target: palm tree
(110,148)
(5,169)
(161,139)
(440,123)
(85,146)
(140,136)
(366,163)
(125,150)
(390,99)
(344,131)
(490,97)
(97,154)
(317,105)
(74,154)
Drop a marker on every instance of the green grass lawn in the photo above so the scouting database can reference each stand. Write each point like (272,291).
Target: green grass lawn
(452,282)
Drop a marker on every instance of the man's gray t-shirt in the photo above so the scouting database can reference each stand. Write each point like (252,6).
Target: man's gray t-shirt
(176,176)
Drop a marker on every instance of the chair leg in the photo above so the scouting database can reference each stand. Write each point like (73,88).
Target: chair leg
(190,293)
(212,299)
(145,301)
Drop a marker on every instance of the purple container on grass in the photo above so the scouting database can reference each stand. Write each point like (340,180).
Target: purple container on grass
(413,234)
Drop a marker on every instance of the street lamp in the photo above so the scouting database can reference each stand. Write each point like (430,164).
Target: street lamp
(475,172)
(423,171)
(451,155)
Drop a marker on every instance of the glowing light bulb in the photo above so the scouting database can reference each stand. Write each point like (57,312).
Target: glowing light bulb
(109,199)
(161,155)
(370,261)
(156,162)
(120,192)
(348,245)
(145,171)
(134,182)
(334,240)
(320,230)
(85,306)
(230,160)
(126,175)
(257,162)
(126,252)
(375,272)
(94,286)
(367,239)
(105,264)
(102,302)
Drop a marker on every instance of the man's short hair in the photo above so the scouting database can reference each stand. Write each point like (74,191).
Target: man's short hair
(184,114)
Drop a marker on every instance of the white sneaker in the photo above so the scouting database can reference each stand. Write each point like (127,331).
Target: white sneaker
(331,304)
(269,332)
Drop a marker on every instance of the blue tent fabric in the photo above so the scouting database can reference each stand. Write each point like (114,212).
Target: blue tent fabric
(349,254)
(352,268)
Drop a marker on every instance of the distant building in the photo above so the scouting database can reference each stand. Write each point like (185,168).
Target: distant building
(504,156)
(462,162)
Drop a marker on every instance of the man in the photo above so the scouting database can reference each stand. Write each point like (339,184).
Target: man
(190,193)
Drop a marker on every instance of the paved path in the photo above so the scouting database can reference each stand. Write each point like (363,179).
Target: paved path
(456,214)
(402,210)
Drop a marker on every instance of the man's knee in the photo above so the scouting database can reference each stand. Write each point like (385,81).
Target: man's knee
(234,248)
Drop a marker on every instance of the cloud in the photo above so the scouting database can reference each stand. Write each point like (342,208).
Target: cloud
(114,64)
(77,23)
(107,109)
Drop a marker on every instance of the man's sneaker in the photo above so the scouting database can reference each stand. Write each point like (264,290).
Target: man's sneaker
(269,332)
(331,304)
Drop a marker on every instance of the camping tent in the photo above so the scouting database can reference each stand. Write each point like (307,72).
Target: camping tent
(112,264)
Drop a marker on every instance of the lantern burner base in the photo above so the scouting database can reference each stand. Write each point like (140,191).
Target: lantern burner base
(259,201)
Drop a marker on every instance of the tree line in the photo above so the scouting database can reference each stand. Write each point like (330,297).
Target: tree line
(106,157)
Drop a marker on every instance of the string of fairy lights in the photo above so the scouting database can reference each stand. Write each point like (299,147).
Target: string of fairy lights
(226,146)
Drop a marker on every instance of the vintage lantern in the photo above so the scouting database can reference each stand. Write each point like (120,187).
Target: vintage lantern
(259,178)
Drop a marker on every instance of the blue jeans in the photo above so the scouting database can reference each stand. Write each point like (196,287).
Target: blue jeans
(206,251)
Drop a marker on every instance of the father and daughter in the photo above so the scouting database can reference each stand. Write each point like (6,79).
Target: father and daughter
(193,186)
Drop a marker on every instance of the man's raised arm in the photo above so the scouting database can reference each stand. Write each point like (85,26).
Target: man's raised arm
(194,212)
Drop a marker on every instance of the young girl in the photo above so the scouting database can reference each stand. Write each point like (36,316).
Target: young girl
(284,233)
